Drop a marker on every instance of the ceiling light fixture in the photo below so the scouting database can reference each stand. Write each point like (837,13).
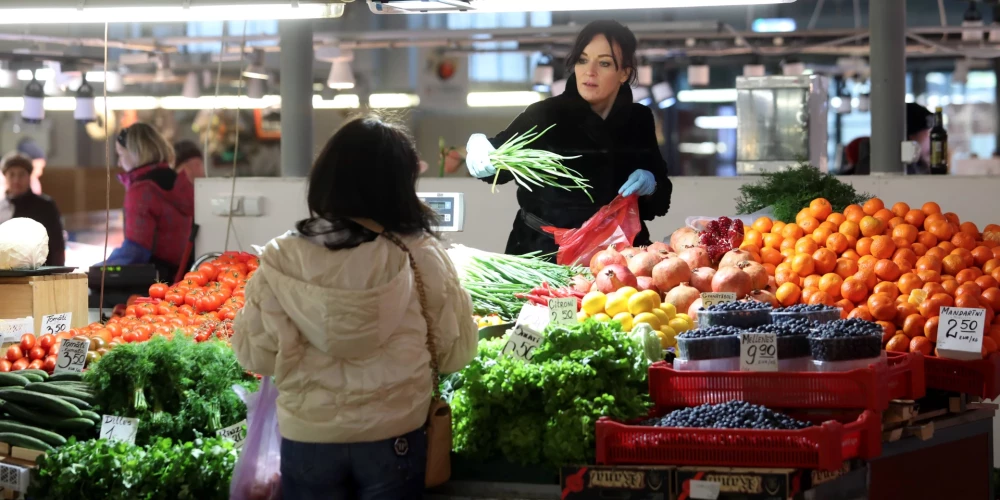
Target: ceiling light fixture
(84,110)
(715,122)
(341,75)
(501,99)
(114,82)
(442,6)
(707,95)
(256,69)
(393,101)
(16,12)
(663,95)
(32,110)
(698,72)
(255,88)
(192,86)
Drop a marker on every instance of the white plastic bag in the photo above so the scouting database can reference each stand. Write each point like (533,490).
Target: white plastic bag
(698,222)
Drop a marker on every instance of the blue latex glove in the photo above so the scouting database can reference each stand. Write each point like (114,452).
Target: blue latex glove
(641,182)
(129,253)
(477,156)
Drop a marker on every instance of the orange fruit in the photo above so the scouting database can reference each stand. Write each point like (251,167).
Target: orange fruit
(898,343)
(763,224)
(966,256)
(867,263)
(952,217)
(950,285)
(873,205)
(993,332)
(821,297)
(788,252)
(936,252)
(969,288)
(861,312)
(787,243)
(822,233)
(996,274)
(947,247)
(792,231)
(802,214)
(771,256)
(811,281)
(888,330)
(969,301)
(820,208)
(964,240)
(783,275)
(854,290)
(864,246)
(895,221)
(807,293)
(932,218)
(900,209)
(845,306)
(882,247)
(808,224)
(989,346)
(887,270)
(753,237)
(927,239)
(870,226)
(882,307)
(903,309)
(803,264)
(986,282)
(931,306)
(867,276)
(952,264)
(850,228)
(915,218)
(930,208)
(913,325)
(825,260)
(932,287)
(887,288)
(981,255)
(919,249)
(921,345)
(805,244)
(929,263)
(836,218)
(837,243)
(772,240)
(777,227)
(966,276)
(969,227)
(908,283)
(831,283)
(905,255)
(991,265)
(788,294)
(941,229)
(845,267)
(906,232)
(854,213)
(883,215)
(851,253)
(930,329)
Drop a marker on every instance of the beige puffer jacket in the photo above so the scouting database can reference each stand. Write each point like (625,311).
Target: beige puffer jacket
(342,333)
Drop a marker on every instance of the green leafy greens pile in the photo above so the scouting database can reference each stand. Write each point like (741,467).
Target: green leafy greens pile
(103,470)
(544,411)
(177,388)
(791,190)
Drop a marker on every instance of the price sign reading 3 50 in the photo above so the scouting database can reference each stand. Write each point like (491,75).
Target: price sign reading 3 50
(53,324)
(72,355)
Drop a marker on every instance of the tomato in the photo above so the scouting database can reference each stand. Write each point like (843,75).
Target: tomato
(186,310)
(232,279)
(20,364)
(36,353)
(196,277)
(130,337)
(227,313)
(208,270)
(46,341)
(164,309)
(54,350)
(14,353)
(36,364)
(158,290)
(130,311)
(4,365)
(91,357)
(104,334)
(49,365)
(97,343)
(27,342)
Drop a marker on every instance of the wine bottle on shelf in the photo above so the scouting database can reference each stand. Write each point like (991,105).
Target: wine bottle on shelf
(939,145)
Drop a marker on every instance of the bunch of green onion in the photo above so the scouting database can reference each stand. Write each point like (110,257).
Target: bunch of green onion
(493,279)
(535,166)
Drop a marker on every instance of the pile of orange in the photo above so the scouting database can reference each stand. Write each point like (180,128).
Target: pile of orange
(897,266)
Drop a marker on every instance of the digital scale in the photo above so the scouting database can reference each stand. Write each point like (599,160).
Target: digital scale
(450,208)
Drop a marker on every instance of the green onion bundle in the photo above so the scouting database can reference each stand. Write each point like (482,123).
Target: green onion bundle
(535,166)
(493,279)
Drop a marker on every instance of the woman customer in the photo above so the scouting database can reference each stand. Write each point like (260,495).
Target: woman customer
(159,203)
(336,312)
(595,119)
(24,202)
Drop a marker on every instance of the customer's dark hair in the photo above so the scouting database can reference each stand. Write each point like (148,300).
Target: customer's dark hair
(369,170)
(617,34)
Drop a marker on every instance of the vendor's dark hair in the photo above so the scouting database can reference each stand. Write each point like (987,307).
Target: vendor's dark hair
(616,33)
(369,170)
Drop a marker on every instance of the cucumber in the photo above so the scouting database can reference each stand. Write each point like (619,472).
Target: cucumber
(60,390)
(79,403)
(77,386)
(28,430)
(32,417)
(51,405)
(8,378)
(32,377)
(66,376)
(41,373)
(24,441)
(91,415)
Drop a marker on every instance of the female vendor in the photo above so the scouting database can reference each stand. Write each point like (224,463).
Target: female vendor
(596,120)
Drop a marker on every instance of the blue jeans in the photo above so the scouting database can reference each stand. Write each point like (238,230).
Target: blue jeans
(389,469)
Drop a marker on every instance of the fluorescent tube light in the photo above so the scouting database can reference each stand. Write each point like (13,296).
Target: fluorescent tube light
(393,100)
(143,103)
(707,95)
(340,101)
(220,102)
(167,14)
(40,74)
(439,6)
(715,122)
(501,99)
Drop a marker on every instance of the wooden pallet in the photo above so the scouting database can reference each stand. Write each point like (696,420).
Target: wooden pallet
(906,418)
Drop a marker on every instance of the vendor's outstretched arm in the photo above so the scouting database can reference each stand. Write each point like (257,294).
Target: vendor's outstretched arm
(658,203)
(520,125)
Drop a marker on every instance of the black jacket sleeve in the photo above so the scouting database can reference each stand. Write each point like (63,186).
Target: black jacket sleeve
(530,117)
(658,203)
(52,221)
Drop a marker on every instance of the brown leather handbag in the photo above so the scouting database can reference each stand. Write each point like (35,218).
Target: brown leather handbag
(438,425)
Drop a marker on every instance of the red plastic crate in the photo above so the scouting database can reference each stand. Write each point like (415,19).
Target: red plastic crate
(906,375)
(979,377)
(865,389)
(823,447)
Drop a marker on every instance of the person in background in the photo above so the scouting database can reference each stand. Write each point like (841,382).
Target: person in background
(30,149)
(17,172)
(918,129)
(189,160)
(336,313)
(856,155)
(159,203)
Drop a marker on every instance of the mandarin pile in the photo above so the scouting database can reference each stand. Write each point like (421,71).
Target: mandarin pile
(893,265)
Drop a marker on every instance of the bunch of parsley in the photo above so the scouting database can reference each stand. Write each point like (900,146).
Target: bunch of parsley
(177,388)
(791,190)
(544,411)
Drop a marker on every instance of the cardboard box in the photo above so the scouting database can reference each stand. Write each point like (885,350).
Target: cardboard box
(756,484)
(38,296)
(594,482)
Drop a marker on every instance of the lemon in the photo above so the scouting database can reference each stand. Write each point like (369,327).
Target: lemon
(655,296)
(641,303)
(625,319)
(617,303)
(685,317)
(627,291)
(670,309)
(602,318)
(593,302)
(664,340)
(582,316)
(670,332)
(679,325)
(648,318)
(662,316)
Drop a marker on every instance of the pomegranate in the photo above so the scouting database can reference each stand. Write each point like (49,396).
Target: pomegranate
(613,277)
(593,287)
(764,296)
(606,258)
(630,252)
(646,283)
(732,279)
(671,272)
(734,257)
(693,309)
(701,278)
(659,247)
(758,275)
(682,297)
(683,238)
(580,283)
(695,257)
(642,264)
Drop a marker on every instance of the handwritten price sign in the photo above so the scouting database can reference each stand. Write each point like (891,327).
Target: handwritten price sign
(237,433)
(521,343)
(56,323)
(562,311)
(758,352)
(114,428)
(72,355)
(960,332)
(709,299)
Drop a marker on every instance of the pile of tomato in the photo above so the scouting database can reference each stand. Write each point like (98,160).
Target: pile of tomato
(33,353)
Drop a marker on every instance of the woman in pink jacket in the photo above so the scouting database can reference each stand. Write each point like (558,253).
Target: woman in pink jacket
(333,314)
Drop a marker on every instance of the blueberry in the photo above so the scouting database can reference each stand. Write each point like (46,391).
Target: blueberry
(729,415)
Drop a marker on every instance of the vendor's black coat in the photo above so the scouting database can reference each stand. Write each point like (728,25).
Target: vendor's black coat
(609,149)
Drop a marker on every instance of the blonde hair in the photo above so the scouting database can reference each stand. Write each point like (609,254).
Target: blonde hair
(147,146)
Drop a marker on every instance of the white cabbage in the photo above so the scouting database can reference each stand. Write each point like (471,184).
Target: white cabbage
(24,244)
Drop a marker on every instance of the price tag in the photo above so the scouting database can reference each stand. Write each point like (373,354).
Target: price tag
(72,355)
(55,323)
(704,490)
(237,433)
(562,311)
(12,329)
(114,428)
(14,477)
(960,332)
(534,317)
(758,352)
(709,299)
(521,343)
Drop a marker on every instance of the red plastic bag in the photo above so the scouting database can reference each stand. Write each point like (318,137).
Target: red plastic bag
(615,224)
